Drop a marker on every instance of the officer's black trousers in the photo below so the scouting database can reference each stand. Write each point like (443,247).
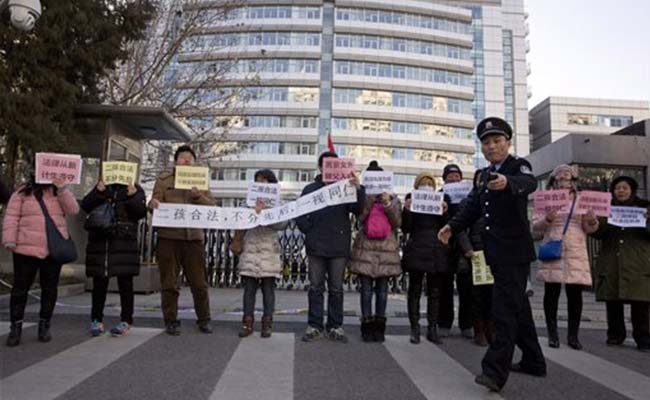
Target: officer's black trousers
(514,325)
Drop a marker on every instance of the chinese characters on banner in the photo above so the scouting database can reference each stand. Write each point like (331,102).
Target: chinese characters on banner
(208,217)
(427,202)
(458,191)
(599,202)
(269,193)
(481,273)
(336,169)
(188,177)
(377,182)
(628,217)
(121,172)
(52,165)
(545,201)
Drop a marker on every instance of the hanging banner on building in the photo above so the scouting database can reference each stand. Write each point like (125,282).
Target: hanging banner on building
(458,191)
(545,201)
(53,165)
(268,193)
(628,217)
(208,217)
(599,202)
(336,169)
(124,173)
(481,272)
(377,182)
(427,202)
(188,177)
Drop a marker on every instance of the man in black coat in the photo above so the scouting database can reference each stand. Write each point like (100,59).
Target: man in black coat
(501,198)
(327,239)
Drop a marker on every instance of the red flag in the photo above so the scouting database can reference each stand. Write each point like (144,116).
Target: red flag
(330,143)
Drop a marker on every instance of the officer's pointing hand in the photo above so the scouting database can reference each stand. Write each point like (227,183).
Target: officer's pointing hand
(499,183)
(444,234)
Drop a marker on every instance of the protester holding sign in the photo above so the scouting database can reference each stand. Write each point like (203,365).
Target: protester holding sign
(327,239)
(112,249)
(424,254)
(259,264)
(623,269)
(572,268)
(460,269)
(24,233)
(375,258)
(181,248)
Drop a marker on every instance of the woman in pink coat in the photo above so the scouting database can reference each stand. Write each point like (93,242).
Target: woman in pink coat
(573,268)
(23,233)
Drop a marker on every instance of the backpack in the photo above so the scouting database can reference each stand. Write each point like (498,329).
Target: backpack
(377,226)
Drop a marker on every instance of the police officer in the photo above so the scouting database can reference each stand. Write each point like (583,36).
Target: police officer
(501,198)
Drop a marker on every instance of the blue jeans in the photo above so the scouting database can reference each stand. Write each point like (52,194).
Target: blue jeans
(381,295)
(332,269)
(250,292)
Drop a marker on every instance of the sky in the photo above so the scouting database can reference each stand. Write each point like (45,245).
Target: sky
(589,48)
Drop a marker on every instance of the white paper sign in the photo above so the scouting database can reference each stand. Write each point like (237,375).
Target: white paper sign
(208,217)
(427,202)
(628,217)
(458,191)
(377,182)
(269,193)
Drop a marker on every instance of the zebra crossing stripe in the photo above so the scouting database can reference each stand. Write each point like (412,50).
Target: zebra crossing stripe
(5,326)
(259,369)
(619,379)
(422,364)
(56,375)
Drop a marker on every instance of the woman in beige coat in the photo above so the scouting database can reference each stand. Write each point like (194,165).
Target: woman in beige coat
(375,258)
(573,268)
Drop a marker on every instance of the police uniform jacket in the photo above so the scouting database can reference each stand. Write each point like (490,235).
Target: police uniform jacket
(506,235)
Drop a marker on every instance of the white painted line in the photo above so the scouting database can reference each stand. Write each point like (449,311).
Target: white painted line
(5,326)
(437,375)
(56,375)
(619,379)
(259,369)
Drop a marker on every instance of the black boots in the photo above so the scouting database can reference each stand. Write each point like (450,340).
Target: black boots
(380,329)
(415,334)
(373,329)
(432,334)
(44,331)
(553,337)
(14,334)
(480,337)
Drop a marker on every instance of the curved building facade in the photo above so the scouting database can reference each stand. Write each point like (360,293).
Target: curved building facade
(391,81)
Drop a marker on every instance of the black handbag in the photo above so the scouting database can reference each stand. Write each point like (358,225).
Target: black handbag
(61,250)
(101,218)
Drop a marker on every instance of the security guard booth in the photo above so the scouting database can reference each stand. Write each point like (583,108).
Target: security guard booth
(118,133)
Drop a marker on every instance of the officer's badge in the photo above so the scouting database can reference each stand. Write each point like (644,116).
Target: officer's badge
(525,170)
(488,125)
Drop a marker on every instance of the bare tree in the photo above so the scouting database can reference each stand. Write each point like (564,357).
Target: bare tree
(184,66)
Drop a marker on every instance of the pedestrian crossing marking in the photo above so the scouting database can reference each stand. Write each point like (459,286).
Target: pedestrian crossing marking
(56,375)
(422,363)
(260,368)
(625,381)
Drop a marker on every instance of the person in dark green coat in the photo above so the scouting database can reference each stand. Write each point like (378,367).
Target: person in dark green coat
(623,269)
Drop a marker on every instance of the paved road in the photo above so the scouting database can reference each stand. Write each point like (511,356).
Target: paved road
(148,364)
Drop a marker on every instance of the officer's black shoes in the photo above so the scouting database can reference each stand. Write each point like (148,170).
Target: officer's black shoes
(15,333)
(518,368)
(488,382)
(44,331)
(415,334)
(574,343)
(432,335)
(554,342)
(204,326)
(615,341)
(644,347)
(173,328)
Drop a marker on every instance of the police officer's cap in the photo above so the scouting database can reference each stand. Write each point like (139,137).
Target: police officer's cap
(493,126)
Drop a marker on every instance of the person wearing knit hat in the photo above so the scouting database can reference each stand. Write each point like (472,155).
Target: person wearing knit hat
(573,269)
(622,270)
(459,271)
(424,255)
(375,258)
